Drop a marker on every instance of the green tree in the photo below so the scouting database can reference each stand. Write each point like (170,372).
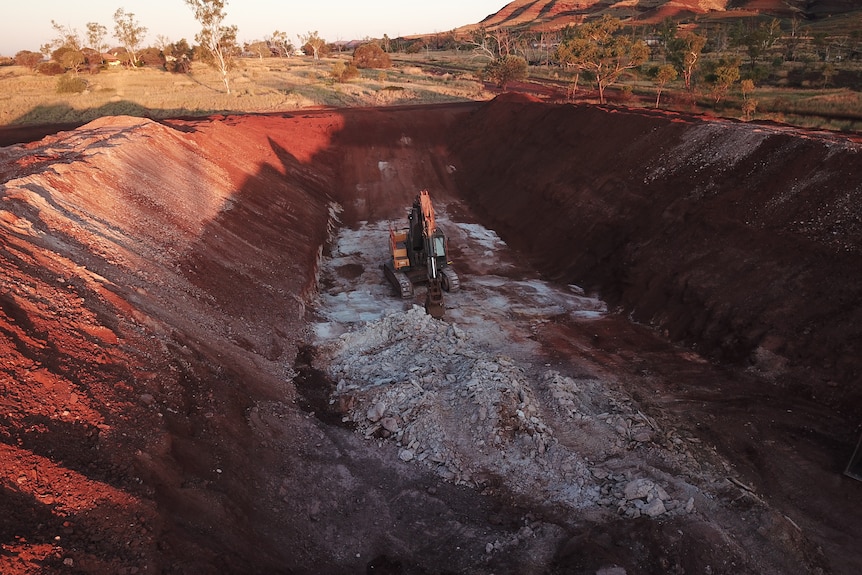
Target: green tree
(749,104)
(667,31)
(67,37)
(178,57)
(371,56)
(313,41)
(598,48)
(96,34)
(259,48)
(504,70)
(219,41)
(760,39)
(279,42)
(684,52)
(129,32)
(178,49)
(72,60)
(725,74)
(666,73)
(821,45)
(60,53)
(793,40)
(828,73)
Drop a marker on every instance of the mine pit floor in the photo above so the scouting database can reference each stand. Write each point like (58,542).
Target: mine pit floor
(533,393)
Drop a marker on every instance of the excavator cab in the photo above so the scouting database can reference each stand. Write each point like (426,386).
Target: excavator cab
(419,255)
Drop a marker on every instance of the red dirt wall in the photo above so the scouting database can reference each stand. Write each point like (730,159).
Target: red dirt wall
(740,240)
(152,289)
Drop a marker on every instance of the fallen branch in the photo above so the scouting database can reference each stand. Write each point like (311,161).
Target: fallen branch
(740,484)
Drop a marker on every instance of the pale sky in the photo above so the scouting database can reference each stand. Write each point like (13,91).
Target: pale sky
(26,24)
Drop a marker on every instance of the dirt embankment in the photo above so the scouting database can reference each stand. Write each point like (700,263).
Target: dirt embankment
(743,241)
(153,287)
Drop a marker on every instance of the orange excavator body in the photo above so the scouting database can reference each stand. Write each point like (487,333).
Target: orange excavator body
(419,255)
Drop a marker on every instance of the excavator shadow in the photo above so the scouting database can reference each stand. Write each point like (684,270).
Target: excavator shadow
(854,468)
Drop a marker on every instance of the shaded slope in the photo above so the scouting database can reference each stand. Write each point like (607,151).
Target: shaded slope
(741,240)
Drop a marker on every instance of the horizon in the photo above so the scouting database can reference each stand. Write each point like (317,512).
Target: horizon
(27,26)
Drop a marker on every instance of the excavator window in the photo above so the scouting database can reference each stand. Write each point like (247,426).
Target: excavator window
(439,246)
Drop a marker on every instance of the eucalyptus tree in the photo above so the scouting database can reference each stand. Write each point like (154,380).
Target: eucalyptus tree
(129,32)
(600,48)
(218,40)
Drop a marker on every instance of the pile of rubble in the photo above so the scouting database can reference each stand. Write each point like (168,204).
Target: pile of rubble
(478,418)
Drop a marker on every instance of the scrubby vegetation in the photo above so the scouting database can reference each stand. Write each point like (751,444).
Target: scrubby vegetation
(746,66)
(70,84)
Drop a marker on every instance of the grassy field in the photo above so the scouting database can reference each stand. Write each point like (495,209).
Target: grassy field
(276,84)
(257,85)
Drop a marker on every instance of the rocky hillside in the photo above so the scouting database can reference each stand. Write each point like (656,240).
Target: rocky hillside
(560,13)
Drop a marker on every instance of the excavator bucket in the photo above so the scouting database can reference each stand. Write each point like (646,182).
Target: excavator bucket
(854,468)
(434,299)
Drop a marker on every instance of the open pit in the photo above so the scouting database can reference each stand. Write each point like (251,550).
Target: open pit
(653,364)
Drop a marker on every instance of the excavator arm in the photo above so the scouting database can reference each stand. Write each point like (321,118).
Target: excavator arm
(434,249)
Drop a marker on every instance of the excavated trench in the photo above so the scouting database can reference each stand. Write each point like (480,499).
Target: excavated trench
(652,366)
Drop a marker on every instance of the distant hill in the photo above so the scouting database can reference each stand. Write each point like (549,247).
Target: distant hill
(552,14)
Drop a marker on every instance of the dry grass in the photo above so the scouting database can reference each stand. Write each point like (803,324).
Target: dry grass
(257,85)
(273,84)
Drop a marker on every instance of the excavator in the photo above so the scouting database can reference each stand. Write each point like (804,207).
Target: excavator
(419,255)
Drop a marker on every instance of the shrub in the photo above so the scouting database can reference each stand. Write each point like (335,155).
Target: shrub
(28,59)
(50,68)
(371,56)
(181,65)
(67,84)
(504,70)
(151,58)
(343,72)
(626,93)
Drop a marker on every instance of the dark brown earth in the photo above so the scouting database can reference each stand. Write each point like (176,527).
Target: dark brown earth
(162,413)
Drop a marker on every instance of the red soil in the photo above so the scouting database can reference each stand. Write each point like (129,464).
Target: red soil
(155,290)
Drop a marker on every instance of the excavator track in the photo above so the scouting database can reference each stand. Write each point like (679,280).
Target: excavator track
(399,280)
(449,280)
